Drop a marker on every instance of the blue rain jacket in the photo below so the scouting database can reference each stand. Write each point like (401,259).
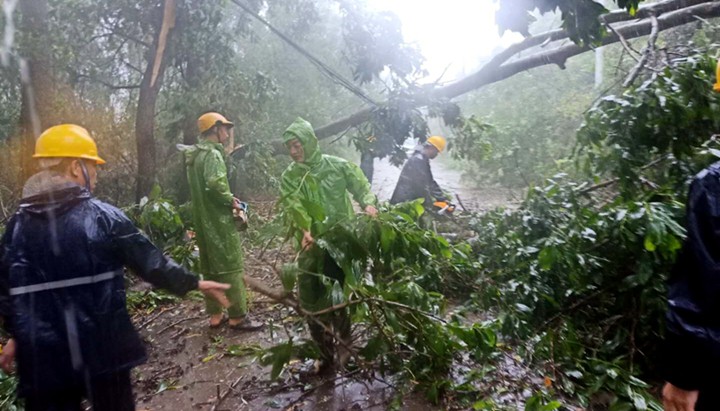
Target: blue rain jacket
(62,293)
(692,347)
(416,181)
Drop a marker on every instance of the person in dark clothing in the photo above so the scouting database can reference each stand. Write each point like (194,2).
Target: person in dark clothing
(691,352)
(62,292)
(416,179)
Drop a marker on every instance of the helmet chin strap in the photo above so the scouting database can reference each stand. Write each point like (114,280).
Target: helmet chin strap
(86,175)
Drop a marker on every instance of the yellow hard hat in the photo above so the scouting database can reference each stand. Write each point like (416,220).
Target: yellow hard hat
(437,142)
(67,140)
(210,120)
(716,87)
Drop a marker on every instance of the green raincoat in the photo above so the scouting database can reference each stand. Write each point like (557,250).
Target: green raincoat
(221,256)
(314,197)
(319,186)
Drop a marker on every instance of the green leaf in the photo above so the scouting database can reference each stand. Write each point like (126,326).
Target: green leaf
(278,356)
(337,294)
(155,192)
(484,405)
(288,276)
(546,258)
(551,406)
(649,245)
(387,237)
(242,350)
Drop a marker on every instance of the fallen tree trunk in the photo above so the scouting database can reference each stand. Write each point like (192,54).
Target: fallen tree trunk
(277,295)
(669,14)
(560,55)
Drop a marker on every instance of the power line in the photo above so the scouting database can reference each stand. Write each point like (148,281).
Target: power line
(324,68)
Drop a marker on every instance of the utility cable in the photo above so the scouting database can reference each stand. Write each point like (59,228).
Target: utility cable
(324,68)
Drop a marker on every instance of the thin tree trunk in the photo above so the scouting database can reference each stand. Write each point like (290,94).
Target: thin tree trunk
(367,165)
(149,89)
(38,88)
(189,128)
(190,136)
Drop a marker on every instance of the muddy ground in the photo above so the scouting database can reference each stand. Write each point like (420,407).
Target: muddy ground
(192,367)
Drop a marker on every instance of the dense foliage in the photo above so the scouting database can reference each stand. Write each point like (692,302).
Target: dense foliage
(573,278)
(394,271)
(577,272)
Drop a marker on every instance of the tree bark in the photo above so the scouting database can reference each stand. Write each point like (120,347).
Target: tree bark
(189,127)
(149,89)
(670,14)
(367,165)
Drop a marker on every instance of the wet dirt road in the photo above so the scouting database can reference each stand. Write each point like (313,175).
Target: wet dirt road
(192,367)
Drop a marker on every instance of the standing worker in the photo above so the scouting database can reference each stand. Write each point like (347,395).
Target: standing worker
(416,179)
(691,354)
(62,292)
(323,181)
(221,256)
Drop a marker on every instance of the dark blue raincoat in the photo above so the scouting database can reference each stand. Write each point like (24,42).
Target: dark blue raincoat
(62,294)
(416,181)
(692,347)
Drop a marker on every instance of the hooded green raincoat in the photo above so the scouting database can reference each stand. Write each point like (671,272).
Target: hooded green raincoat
(314,197)
(315,192)
(221,256)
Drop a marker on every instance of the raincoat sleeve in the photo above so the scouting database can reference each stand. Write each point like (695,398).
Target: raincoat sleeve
(216,181)
(686,353)
(144,258)
(433,188)
(5,302)
(358,185)
(703,241)
(291,203)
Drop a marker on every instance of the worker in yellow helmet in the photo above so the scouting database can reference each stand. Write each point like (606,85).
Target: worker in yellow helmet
(221,255)
(62,288)
(416,178)
(691,349)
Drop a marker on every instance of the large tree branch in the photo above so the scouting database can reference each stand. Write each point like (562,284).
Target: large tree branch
(561,54)
(656,9)
(670,14)
(168,23)
(645,53)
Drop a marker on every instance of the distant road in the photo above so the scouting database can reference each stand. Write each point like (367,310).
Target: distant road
(386,176)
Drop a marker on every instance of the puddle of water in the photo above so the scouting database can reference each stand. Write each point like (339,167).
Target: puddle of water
(351,394)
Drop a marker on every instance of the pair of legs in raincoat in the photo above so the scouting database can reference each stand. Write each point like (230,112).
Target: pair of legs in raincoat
(236,295)
(315,295)
(237,313)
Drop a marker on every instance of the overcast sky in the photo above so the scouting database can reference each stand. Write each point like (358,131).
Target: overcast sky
(453,34)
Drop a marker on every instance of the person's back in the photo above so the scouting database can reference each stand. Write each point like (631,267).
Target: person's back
(66,282)
(692,341)
(691,349)
(62,291)
(416,178)
(411,183)
(212,210)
